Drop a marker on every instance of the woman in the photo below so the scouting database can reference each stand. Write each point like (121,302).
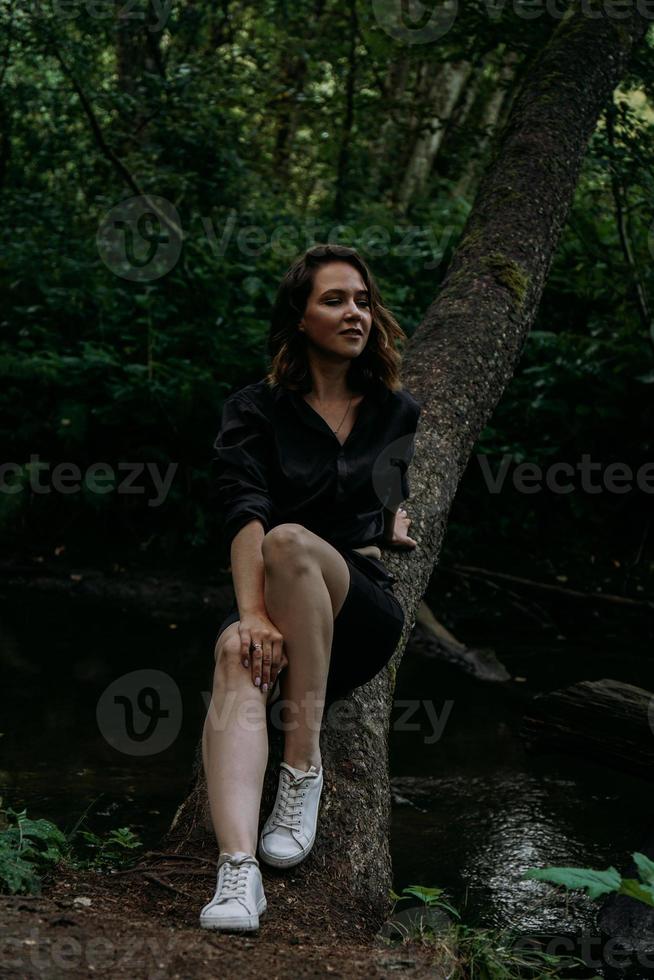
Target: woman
(307,464)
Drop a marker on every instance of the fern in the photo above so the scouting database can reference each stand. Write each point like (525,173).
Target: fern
(29,849)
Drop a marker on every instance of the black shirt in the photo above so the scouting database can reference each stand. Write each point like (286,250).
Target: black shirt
(277,459)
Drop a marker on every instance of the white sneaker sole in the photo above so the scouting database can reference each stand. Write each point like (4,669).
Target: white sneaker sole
(285,862)
(234,923)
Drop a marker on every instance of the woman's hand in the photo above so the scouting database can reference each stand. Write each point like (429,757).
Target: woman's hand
(267,657)
(400,538)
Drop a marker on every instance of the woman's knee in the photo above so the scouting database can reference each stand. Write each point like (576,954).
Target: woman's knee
(288,547)
(229,667)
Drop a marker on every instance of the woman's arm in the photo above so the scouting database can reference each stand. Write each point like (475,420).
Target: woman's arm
(240,471)
(396,521)
(247,568)
(241,489)
(255,626)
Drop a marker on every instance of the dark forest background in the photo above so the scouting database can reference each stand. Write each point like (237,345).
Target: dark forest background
(160,169)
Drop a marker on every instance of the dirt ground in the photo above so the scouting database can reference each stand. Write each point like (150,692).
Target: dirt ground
(143,923)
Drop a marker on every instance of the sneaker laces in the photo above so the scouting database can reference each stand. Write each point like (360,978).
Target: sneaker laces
(234,879)
(290,801)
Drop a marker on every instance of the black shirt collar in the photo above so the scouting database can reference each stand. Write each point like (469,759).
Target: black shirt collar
(377,391)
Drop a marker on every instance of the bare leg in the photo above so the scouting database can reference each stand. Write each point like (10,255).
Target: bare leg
(306,583)
(234,748)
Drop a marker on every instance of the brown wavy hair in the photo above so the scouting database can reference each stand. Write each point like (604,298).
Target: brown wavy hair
(379,361)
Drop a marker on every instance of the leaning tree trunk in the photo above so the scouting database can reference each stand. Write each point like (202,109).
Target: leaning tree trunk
(458,364)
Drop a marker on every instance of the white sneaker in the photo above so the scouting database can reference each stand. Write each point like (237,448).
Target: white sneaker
(239,898)
(290,830)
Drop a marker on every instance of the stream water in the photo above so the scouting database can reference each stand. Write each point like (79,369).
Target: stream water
(473,809)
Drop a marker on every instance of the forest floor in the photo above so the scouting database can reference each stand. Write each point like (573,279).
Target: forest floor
(136,925)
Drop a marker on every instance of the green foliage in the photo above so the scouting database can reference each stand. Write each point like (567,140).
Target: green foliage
(431,897)
(114,850)
(482,953)
(28,850)
(238,119)
(31,849)
(601,883)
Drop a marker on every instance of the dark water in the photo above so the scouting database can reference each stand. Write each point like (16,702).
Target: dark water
(474,810)
(484,809)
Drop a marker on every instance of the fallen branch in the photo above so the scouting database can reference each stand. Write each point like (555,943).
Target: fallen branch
(473,571)
(165,884)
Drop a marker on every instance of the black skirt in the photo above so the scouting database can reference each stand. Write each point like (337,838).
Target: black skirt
(367,627)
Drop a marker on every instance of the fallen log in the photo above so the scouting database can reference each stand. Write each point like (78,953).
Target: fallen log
(606,720)
(431,639)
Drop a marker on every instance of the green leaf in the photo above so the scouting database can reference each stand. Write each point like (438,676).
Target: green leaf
(635,889)
(27,847)
(597,882)
(645,867)
(427,895)
(17,876)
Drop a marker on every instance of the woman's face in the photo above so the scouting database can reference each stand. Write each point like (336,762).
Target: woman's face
(338,302)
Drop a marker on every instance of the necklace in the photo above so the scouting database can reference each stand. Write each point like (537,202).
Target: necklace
(346,411)
(344,417)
